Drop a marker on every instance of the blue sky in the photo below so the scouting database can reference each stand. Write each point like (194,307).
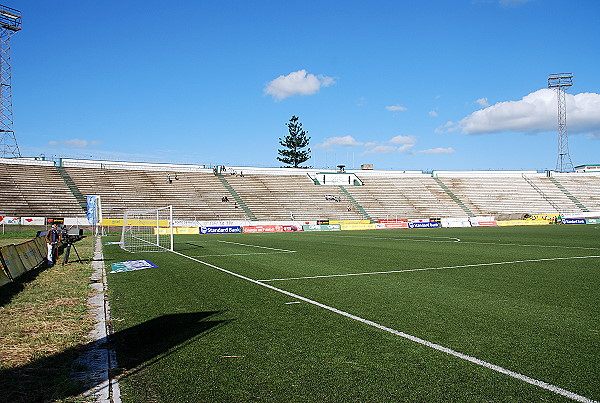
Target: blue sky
(432,84)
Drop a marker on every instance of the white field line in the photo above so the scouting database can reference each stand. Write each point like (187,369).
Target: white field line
(469,242)
(485,364)
(249,254)
(430,268)
(257,246)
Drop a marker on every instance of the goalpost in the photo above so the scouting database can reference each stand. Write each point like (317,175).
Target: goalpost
(148,230)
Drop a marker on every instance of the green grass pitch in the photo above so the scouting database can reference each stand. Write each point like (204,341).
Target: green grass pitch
(521,298)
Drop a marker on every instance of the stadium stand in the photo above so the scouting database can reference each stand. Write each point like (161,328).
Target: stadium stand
(35,188)
(39,188)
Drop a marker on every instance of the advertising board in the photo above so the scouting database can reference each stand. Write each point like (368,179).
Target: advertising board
(11,260)
(4,279)
(10,220)
(255,229)
(321,227)
(491,223)
(29,254)
(33,221)
(573,220)
(399,224)
(221,230)
(356,227)
(428,224)
(509,223)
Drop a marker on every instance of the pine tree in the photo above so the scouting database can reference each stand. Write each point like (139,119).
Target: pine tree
(294,142)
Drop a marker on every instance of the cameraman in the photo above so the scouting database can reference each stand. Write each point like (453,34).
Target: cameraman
(52,238)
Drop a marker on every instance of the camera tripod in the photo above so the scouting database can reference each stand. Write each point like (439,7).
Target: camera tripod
(68,251)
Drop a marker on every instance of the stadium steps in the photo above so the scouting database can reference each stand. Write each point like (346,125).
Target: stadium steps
(237,198)
(574,199)
(454,197)
(81,199)
(537,189)
(355,203)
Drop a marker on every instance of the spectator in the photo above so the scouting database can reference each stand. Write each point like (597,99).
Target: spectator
(52,238)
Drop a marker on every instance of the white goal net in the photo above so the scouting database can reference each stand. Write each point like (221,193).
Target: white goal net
(148,230)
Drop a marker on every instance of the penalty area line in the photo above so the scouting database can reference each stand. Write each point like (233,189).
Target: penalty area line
(541,384)
(256,246)
(250,254)
(430,268)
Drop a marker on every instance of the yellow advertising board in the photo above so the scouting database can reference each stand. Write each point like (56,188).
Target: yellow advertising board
(522,222)
(342,222)
(12,262)
(117,222)
(29,254)
(4,279)
(187,230)
(354,227)
(546,217)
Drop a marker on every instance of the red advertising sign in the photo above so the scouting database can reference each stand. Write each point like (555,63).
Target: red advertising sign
(486,223)
(253,229)
(399,224)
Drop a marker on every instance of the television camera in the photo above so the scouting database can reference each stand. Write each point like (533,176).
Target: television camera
(69,236)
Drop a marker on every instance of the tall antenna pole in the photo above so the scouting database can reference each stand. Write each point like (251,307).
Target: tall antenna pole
(10,23)
(559,82)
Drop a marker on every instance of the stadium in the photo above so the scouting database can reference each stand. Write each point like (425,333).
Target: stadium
(494,271)
(125,280)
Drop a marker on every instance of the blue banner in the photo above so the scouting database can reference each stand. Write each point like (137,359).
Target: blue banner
(92,209)
(573,220)
(430,224)
(221,230)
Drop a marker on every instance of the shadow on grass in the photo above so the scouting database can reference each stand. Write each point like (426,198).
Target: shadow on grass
(48,379)
(8,291)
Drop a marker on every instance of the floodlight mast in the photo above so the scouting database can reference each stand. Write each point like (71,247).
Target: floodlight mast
(559,82)
(10,23)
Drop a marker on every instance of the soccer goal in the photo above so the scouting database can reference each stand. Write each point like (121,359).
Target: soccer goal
(148,230)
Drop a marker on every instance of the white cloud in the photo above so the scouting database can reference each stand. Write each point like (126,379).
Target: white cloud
(381,149)
(438,150)
(396,108)
(345,141)
(401,144)
(297,83)
(77,143)
(397,144)
(53,143)
(433,114)
(536,112)
(403,140)
(482,102)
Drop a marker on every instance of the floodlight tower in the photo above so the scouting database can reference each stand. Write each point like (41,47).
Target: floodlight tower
(560,82)
(10,23)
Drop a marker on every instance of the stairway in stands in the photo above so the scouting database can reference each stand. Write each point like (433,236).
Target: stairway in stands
(454,197)
(572,197)
(355,203)
(237,198)
(81,199)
